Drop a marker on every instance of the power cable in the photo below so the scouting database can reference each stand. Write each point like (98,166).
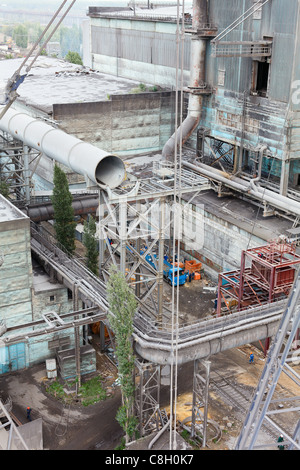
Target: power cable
(176,231)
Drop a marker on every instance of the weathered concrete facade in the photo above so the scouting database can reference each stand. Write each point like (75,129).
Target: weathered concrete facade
(16,270)
(25,294)
(135,48)
(254,100)
(222,228)
(125,124)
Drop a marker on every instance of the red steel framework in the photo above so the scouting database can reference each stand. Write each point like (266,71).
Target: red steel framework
(267,274)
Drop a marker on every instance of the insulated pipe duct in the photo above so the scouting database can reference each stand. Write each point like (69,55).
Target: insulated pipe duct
(81,206)
(265,195)
(197,78)
(103,169)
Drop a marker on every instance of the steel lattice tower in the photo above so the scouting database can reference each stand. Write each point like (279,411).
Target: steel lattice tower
(277,362)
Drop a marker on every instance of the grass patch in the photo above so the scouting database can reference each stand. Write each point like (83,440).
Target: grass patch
(142,88)
(90,391)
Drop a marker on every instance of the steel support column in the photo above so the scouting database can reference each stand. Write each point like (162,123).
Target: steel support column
(200,398)
(147,397)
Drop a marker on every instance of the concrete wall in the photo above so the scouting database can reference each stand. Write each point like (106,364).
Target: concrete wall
(124,124)
(25,293)
(219,242)
(132,52)
(16,270)
(137,49)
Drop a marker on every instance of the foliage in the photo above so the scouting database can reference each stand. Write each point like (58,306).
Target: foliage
(122,445)
(74,58)
(122,304)
(4,189)
(69,38)
(20,36)
(64,223)
(91,244)
(56,389)
(143,88)
(91,391)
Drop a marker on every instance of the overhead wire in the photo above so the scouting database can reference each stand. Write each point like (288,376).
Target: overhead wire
(177,221)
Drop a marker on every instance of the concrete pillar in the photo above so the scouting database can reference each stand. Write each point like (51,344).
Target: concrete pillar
(284,177)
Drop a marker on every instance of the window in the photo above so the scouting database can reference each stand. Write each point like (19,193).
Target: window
(260,81)
(262,78)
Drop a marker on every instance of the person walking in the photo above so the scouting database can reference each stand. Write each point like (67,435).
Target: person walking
(280,439)
(251,358)
(29,413)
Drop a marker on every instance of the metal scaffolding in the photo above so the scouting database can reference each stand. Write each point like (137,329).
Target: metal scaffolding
(267,274)
(136,228)
(264,407)
(147,397)
(16,161)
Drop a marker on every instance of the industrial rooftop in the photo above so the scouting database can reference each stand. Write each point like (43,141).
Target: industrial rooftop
(175,224)
(53,81)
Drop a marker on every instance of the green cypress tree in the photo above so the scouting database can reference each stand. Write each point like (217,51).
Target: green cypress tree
(64,223)
(91,244)
(122,305)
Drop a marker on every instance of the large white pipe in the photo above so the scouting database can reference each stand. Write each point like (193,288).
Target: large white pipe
(102,168)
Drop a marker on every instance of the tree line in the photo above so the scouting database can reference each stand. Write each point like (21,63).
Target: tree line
(69,38)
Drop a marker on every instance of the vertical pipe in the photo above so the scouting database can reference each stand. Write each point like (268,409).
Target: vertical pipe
(241,287)
(197,77)
(77,339)
(219,300)
(101,241)
(138,249)
(161,259)
(193,425)
(26,174)
(123,234)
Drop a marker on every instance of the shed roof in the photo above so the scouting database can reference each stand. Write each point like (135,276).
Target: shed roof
(55,81)
(9,212)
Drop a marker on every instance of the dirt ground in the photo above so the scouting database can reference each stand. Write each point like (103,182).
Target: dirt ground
(95,428)
(75,427)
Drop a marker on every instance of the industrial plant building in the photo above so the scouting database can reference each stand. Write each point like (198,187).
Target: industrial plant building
(181,135)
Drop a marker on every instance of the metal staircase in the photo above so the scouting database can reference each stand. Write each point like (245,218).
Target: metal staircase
(278,361)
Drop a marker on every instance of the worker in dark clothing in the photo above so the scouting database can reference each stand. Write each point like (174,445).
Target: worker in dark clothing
(280,439)
(28,413)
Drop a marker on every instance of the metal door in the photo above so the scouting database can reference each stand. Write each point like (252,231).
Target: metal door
(12,358)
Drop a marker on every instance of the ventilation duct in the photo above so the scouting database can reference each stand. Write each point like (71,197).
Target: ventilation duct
(101,168)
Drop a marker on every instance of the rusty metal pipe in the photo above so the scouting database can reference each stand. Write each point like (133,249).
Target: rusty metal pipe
(45,211)
(197,78)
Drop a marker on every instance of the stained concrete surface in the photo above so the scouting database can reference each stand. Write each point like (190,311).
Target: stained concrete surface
(64,427)
(95,428)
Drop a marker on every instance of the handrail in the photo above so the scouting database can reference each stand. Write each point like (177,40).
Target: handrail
(239,20)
